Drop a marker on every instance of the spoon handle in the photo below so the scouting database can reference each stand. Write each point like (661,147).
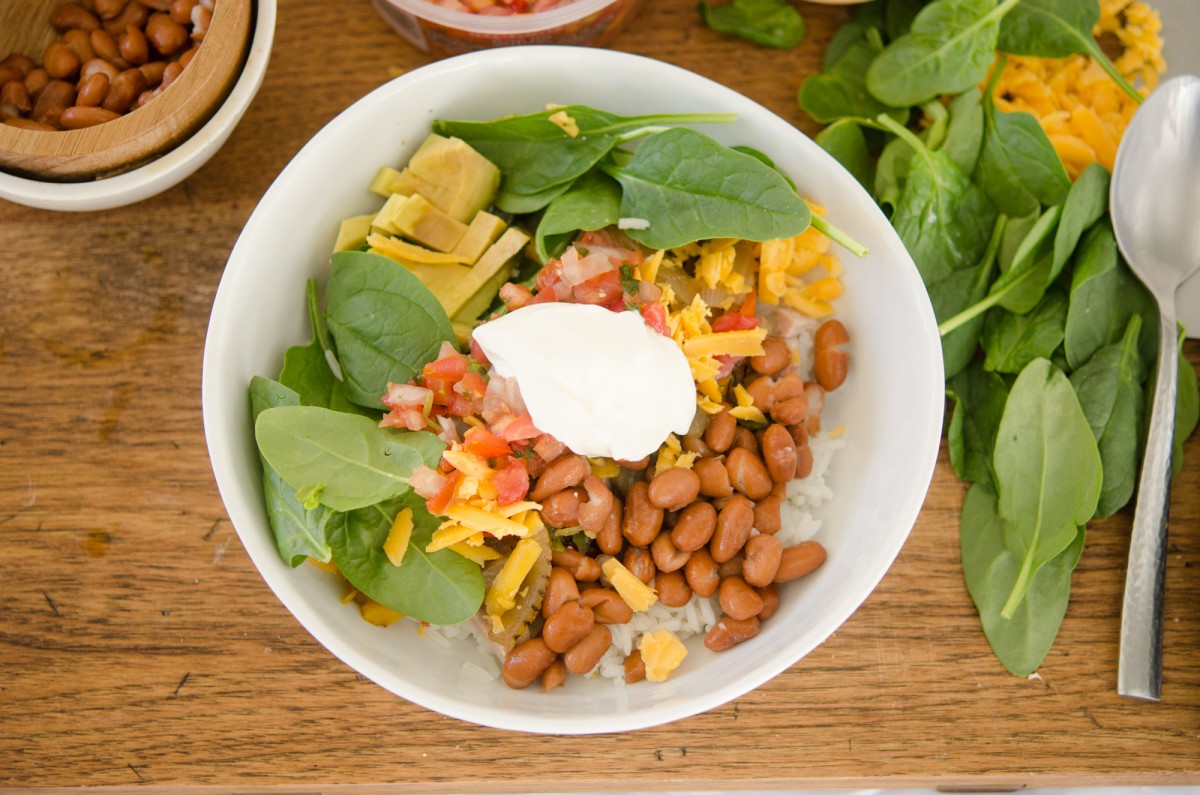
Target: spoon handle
(1139,672)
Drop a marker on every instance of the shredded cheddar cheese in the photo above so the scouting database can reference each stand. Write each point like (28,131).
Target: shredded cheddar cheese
(397,541)
(662,653)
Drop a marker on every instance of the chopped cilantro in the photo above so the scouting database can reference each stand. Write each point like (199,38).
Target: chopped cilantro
(628,283)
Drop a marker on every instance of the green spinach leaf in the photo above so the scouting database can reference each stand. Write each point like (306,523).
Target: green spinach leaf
(343,461)
(1056,29)
(440,587)
(307,368)
(949,48)
(1011,341)
(1087,203)
(1187,406)
(841,90)
(979,398)
(770,23)
(898,16)
(844,140)
(689,187)
(593,202)
(299,532)
(1018,167)
(387,324)
(1048,472)
(1021,640)
(1109,386)
(964,133)
(869,16)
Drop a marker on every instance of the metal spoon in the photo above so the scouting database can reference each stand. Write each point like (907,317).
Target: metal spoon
(1155,204)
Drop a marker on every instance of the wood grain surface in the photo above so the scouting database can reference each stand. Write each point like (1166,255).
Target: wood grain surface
(140,649)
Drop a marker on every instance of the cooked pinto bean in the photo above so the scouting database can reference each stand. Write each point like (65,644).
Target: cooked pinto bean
(672,587)
(719,433)
(729,632)
(593,513)
(554,675)
(770,598)
(779,453)
(564,472)
(701,573)
(830,359)
(609,537)
(714,479)
(560,589)
(642,519)
(607,606)
(635,667)
(738,599)
(763,553)
(767,514)
(734,523)
(525,663)
(580,566)
(567,625)
(731,567)
(694,527)
(635,466)
(674,488)
(640,563)
(584,655)
(561,509)
(762,391)
(799,560)
(667,556)
(694,443)
(743,438)
(776,355)
(748,474)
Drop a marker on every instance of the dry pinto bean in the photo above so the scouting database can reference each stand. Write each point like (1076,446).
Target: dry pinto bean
(110,9)
(133,46)
(563,472)
(104,44)
(775,356)
(594,511)
(36,80)
(666,556)
(133,13)
(16,94)
(170,74)
(153,72)
(81,43)
(770,599)
(606,605)
(830,359)
(165,34)
(799,560)
(78,117)
(72,16)
(729,632)
(60,61)
(719,433)
(701,573)
(609,537)
(181,11)
(738,599)
(748,474)
(582,567)
(92,90)
(694,527)
(733,529)
(673,589)
(56,97)
(584,655)
(99,66)
(674,488)
(640,563)
(525,663)
(554,676)
(763,553)
(779,453)
(567,625)
(768,514)
(714,479)
(561,509)
(635,667)
(124,90)
(642,519)
(560,589)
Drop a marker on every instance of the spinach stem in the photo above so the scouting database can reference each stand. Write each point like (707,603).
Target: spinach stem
(1020,587)
(838,236)
(1108,66)
(987,261)
(909,137)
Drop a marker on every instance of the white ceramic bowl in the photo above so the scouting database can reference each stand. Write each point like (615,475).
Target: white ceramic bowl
(171,168)
(891,404)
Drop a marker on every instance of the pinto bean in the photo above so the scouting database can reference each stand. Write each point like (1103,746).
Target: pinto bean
(635,667)
(731,567)
(738,599)
(719,433)
(606,605)
(560,589)
(770,599)
(561,509)
(799,560)
(634,466)
(763,553)
(56,97)
(694,527)
(830,359)
(790,411)
(92,90)
(728,632)
(674,488)
(779,453)
(72,16)
(714,478)
(775,356)
(668,557)
(762,392)
(640,563)
(768,514)
(564,472)
(673,589)
(701,573)
(609,537)
(554,676)
(525,663)
(584,655)
(124,90)
(16,94)
(816,402)
(60,61)
(734,523)
(748,474)
(788,387)
(594,511)
(567,625)
(580,566)
(642,519)
(745,439)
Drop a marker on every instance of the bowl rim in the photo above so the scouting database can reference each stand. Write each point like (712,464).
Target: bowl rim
(172,167)
(905,511)
(512,25)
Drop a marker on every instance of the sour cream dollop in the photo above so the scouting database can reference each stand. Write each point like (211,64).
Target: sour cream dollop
(603,383)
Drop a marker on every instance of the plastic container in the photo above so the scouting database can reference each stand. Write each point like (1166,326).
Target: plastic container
(441,31)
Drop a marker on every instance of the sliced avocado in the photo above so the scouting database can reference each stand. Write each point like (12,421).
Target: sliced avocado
(386,181)
(478,303)
(384,220)
(456,285)
(402,251)
(353,233)
(417,219)
(468,180)
(482,232)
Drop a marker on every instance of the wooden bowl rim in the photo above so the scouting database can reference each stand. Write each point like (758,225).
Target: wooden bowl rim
(193,97)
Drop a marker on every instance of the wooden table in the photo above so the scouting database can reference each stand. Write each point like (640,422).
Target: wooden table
(139,648)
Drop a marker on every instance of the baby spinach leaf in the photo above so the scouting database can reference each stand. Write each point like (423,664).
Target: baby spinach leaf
(439,587)
(1109,387)
(1047,469)
(979,398)
(949,48)
(592,203)
(1011,341)
(891,172)
(1087,203)
(1056,29)
(386,323)
(1104,295)
(1018,167)
(1014,235)
(525,203)
(898,16)
(299,532)
(689,187)
(535,155)
(960,342)
(1187,406)
(343,461)
(841,90)
(845,141)
(306,368)
(763,158)
(1022,640)
(770,23)
(1032,268)
(869,16)
(964,133)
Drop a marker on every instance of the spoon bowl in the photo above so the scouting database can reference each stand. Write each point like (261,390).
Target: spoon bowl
(1154,194)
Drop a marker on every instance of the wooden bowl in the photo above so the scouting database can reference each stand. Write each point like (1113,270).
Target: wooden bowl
(138,136)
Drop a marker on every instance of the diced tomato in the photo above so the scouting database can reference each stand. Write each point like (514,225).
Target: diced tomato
(426,482)
(600,289)
(471,386)
(438,502)
(483,442)
(410,417)
(655,315)
(513,427)
(449,367)
(548,448)
(749,306)
(511,481)
(732,321)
